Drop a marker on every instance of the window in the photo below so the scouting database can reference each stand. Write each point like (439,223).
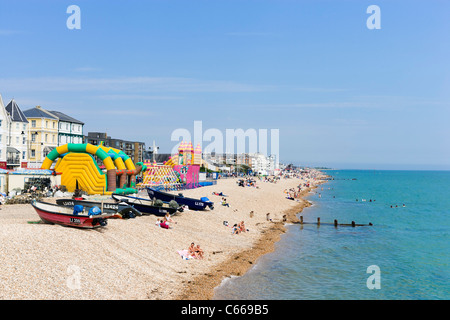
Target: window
(33,123)
(17,125)
(23,155)
(33,137)
(17,140)
(33,153)
(46,137)
(24,140)
(24,128)
(54,123)
(0,123)
(46,124)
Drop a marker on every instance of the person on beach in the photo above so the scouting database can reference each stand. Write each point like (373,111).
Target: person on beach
(242,227)
(225,203)
(161,223)
(191,250)
(168,218)
(198,252)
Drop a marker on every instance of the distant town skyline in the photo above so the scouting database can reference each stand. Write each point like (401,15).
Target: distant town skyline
(342,95)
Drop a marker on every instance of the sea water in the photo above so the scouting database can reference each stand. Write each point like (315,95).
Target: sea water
(405,254)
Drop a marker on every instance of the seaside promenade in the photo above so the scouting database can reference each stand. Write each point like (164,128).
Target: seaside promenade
(135,259)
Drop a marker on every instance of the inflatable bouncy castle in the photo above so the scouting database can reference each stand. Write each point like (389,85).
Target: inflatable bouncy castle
(181,170)
(78,167)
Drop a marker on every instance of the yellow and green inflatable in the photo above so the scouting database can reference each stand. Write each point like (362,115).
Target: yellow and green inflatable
(77,166)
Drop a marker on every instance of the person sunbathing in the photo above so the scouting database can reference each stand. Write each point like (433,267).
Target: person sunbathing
(198,252)
(242,227)
(191,250)
(164,224)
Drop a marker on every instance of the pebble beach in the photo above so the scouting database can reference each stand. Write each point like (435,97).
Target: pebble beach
(133,259)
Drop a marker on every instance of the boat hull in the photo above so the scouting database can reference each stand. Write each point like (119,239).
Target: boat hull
(70,220)
(144,205)
(125,211)
(193,204)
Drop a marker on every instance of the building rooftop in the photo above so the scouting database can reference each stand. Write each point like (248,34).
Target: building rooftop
(38,112)
(65,117)
(15,113)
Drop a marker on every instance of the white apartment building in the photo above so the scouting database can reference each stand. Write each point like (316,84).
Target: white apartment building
(261,164)
(70,130)
(3,134)
(13,136)
(17,149)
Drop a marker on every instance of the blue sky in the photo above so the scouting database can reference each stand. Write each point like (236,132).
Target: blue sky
(340,94)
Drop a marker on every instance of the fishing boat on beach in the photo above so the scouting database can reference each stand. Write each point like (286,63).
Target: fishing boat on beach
(193,204)
(147,206)
(123,209)
(77,216)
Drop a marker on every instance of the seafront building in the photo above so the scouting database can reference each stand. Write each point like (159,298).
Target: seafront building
(27,137)
(262,164)
(258,162)
(134,149)
(48,130)
(42,135)
(13,136)
(3,134)
(17,149)
(70,130)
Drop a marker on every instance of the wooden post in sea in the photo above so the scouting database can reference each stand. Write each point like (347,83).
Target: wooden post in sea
(335,223)
(318,221)
(353,223)
(301,219)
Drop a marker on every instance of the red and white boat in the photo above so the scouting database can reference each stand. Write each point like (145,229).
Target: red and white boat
(67,216)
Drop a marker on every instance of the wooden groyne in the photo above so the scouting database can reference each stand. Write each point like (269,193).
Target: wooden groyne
(335,223)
